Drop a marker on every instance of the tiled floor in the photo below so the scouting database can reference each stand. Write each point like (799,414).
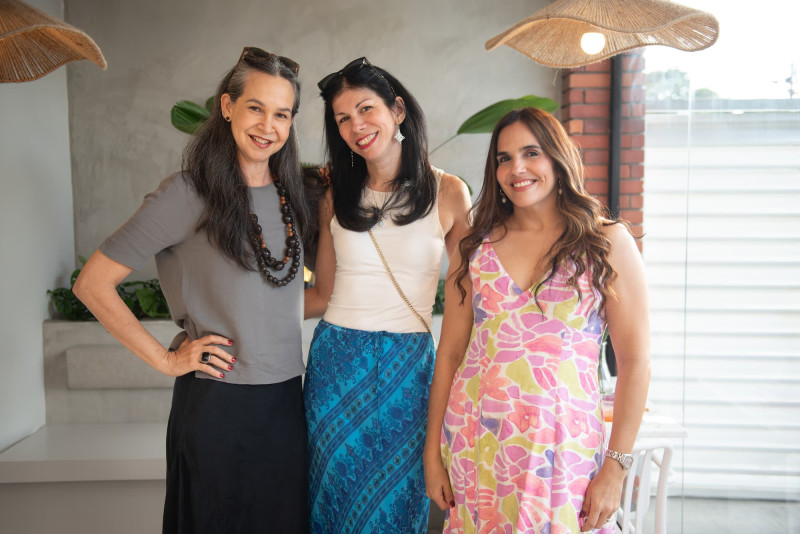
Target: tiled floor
(710,516)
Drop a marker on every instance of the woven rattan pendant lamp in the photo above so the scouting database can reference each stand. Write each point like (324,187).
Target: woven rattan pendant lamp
(33,43)
(552,36)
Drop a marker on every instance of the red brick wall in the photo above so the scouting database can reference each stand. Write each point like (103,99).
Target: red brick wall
(585,112)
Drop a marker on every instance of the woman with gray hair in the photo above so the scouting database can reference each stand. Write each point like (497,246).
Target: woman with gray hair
(225,233)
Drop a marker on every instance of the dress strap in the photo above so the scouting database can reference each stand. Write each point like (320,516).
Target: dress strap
(438,173)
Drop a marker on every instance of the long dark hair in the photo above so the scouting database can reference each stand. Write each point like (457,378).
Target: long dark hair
(414,188)
(582,242)
(211,165)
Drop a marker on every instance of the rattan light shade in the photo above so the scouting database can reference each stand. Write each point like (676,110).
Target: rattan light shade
(33,43)
(552,35)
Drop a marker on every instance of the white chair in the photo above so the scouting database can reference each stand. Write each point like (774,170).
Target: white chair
(636,488)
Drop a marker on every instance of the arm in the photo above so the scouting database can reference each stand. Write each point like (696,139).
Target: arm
(96,288)
(316,298)
(454,205)
(456,329)
(629,328)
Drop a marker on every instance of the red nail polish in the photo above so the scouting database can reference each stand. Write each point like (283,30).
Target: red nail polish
(221,375)
(230,368)
(230,342)
(452,504)
(582,515)
(233,360)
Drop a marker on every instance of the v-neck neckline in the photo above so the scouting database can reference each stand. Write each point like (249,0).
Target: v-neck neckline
(505,271)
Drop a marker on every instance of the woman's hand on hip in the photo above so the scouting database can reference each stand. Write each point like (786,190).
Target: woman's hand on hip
(202,354)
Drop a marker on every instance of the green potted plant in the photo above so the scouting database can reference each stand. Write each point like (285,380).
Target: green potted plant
(144,298)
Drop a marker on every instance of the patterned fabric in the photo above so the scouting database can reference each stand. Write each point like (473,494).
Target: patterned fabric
(523,431)
(366,405)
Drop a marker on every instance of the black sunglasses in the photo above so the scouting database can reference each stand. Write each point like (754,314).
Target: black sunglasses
(259,54)
(353,66)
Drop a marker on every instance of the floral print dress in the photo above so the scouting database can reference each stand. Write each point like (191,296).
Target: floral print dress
(523,432)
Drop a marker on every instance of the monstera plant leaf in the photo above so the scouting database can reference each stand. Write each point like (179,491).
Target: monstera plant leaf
(188,116)
(485,120)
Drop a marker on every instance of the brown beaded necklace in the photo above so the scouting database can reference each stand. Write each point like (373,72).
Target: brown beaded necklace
(263,255)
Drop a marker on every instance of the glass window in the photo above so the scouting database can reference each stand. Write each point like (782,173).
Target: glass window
(722,251)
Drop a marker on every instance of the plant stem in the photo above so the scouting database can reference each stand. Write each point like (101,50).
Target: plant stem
(442,144)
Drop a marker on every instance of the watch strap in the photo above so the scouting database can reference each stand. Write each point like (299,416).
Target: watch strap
(625,460)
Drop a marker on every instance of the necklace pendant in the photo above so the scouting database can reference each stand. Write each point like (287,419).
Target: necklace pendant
(380,223)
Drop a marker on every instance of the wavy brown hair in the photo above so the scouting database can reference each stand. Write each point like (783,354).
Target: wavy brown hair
(582,243)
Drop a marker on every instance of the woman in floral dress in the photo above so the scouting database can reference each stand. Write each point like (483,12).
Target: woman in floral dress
(516,440)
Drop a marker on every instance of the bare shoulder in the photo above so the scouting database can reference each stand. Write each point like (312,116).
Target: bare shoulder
(617,233)
(453,205)
(625,257)
(453,190)
(452,182)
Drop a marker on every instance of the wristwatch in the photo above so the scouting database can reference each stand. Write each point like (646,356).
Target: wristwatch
(625,460)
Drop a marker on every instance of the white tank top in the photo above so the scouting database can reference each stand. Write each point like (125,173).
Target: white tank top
(364,297)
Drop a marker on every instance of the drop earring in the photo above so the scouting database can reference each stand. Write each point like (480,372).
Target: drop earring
(560,191)
(399,135)
(503,198)
(351,160)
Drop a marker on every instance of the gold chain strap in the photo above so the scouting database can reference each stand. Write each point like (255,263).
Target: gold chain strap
(397,286)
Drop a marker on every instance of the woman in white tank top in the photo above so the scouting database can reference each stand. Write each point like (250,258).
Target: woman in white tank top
(371,359)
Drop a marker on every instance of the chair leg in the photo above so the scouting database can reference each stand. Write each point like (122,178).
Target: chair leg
(643,497)
(627,496)
(661,493)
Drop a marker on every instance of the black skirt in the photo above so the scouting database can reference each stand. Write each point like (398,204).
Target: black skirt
(236,458)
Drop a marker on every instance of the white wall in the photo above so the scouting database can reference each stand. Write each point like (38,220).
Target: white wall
(158,52)
(35,233)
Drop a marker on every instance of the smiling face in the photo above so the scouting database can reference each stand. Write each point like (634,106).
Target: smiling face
(367,124)
(261,121)
(524,171)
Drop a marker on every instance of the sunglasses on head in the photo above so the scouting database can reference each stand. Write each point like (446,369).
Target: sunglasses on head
(259,54)
(353,66)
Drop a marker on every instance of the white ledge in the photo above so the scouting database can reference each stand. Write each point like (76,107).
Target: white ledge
(111,367)
(87,452)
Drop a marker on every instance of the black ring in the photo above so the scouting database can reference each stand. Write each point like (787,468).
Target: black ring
(205,357)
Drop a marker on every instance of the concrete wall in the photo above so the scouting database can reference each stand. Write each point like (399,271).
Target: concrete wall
(35,233)
(160,52)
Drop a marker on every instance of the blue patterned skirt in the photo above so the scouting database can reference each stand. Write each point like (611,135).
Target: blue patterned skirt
(366,401)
